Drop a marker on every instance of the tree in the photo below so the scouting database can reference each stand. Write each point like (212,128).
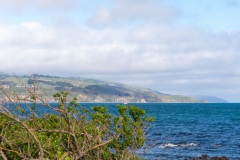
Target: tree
(66,130)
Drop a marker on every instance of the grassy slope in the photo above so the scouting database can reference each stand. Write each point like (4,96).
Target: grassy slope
(100,91)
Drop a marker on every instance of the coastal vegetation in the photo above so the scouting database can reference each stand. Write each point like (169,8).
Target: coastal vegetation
(33,128)
(88,90)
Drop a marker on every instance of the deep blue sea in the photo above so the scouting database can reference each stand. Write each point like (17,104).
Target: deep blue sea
(187,130)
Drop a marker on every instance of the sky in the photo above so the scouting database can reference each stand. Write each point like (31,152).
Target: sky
(186,47)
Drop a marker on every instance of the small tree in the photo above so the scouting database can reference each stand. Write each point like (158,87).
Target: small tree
(66,130)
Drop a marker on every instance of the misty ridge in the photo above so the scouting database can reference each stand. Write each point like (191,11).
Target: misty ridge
(90,90)
(93,90)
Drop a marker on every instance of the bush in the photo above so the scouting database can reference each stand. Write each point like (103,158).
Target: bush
(68,131)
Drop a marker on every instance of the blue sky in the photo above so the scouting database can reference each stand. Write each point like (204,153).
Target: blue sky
(215,15)
(187,47)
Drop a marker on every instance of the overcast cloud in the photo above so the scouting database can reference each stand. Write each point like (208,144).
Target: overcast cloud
(134,11)
(23,5)
(136,42)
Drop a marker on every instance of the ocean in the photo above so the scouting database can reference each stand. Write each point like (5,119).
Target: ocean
(187,130)
(182,131)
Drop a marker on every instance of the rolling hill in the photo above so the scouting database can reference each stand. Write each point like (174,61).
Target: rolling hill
(88,90)
(210,99)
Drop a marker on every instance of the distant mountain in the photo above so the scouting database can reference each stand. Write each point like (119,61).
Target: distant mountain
(210,99)
(90,90)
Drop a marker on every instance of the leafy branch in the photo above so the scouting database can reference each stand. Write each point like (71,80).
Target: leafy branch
(66,130)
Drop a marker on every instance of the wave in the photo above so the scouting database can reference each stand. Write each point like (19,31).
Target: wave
(170,145)
(216,145)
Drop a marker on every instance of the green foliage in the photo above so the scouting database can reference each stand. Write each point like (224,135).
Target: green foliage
(64,84)
(73,132)
(107,89)
(90,90)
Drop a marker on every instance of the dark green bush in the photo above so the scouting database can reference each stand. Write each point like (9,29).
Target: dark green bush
(72,132)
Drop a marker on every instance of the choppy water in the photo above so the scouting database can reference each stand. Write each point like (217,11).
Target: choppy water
(187,130)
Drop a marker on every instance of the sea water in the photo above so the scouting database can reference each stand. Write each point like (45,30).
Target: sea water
(187,130)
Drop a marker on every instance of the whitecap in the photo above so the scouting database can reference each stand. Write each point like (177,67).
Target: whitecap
(168,145)
(216,145)
(188,145)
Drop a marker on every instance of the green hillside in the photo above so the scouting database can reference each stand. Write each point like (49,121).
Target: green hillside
(88,90)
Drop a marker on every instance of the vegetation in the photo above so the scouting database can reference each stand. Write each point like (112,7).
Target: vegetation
(90,90)
(66,131)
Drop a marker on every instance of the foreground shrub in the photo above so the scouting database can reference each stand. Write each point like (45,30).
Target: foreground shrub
(68,131)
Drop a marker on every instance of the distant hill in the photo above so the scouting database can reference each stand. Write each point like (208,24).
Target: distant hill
(89,90)
(3,75)
(210,99)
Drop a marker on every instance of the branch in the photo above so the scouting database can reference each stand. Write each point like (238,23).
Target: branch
(9,150)
(102,144)
(29,131)
(55,131)
(3,155)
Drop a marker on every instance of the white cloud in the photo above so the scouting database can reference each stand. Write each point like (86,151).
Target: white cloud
(102,16)
(132,46)
(144,50)
(125,11)
(22,5)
